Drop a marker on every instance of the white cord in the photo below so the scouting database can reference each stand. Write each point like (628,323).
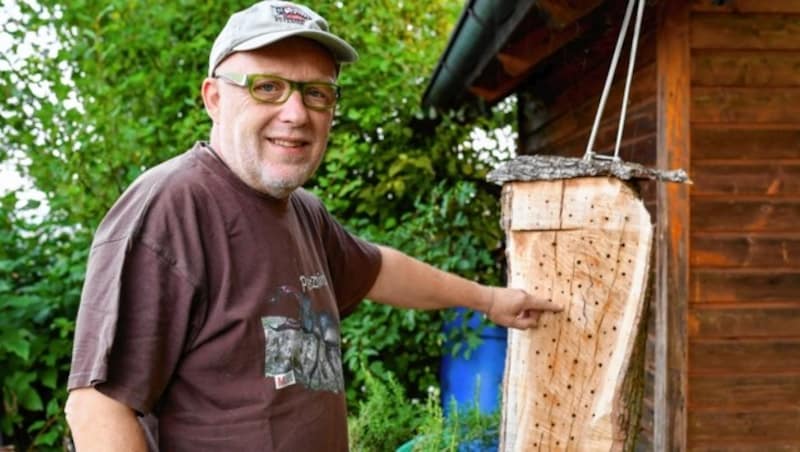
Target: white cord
(610,79)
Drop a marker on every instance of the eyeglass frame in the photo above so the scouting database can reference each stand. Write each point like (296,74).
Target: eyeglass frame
(246,81)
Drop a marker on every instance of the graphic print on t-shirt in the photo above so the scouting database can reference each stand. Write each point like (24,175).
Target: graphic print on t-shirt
(304,350)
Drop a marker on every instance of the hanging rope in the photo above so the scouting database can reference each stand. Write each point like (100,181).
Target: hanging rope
(590,154)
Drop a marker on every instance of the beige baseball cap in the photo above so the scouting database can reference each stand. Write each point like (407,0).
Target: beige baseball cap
(269,21)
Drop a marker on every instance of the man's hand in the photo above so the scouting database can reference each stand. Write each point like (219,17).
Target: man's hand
(515,308)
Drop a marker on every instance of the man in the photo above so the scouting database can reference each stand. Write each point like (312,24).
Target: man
(216,285)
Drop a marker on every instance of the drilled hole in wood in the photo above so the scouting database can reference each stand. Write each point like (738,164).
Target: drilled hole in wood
(591,391)
(541,264)
(623,273)
(608,256)
(574,361)
(559,273)
(622,245)
(614,328)
(605,218)
(589,336)
(574,415)
(569,319)
(569,386)
(537,352)
(599,364)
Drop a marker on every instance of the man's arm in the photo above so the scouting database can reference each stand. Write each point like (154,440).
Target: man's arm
(406,282)
(100,423)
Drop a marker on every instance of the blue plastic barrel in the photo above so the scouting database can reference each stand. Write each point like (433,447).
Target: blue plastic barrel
(478,377)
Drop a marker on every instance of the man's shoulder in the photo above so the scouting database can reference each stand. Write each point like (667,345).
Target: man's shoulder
(172,188)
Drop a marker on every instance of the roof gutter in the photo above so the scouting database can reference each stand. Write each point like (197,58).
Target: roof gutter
(482,30)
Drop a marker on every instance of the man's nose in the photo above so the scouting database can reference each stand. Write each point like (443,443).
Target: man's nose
(293,110)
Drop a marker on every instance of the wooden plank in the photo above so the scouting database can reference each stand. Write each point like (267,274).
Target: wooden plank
(737,393)
(745,286)
(753,357)
(745,427)
(746,178)
(573,383)
(742,445)
(745,31)
(745,105)
(758,214)
(560,13)
(761,68)
(746,6)
(672,227)
(740,250)
(773,143)
(729,321)
(579,120)
(638,142)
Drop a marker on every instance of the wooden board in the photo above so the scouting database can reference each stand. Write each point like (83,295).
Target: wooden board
(750,321)
(745,286)
(749,143)
(745,250)
(751,214)
(745,105)
(745,177)
(738,393)
(747,6)
(740,357)
(745,31)
(769,68)
(583,244)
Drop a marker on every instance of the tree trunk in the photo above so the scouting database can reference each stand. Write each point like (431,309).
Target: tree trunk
(575,382)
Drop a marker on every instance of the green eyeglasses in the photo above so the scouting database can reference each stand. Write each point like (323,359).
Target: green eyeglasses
(271,89)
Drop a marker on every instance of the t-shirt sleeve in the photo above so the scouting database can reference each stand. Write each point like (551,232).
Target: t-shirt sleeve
(354,263)
(132,323)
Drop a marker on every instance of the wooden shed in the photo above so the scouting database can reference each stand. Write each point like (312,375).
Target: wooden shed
(716,91)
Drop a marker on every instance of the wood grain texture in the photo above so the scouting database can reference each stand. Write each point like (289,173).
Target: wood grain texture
(745,357)
(583,244)
(722,321)
(747,6)
(745,250)
(723,142)
(673,64)
(743,68)
(748,105)
(743,393)
(745,286)
(758,214)
(745,31)
(746,177)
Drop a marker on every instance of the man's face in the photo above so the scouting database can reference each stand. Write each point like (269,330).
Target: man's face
(273,148)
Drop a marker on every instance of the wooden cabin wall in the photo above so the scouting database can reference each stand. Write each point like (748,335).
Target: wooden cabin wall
(744,311)
(556,115)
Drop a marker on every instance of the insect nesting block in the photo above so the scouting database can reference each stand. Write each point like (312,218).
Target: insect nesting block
(583,243)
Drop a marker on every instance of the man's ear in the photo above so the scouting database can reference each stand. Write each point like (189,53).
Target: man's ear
(210,92)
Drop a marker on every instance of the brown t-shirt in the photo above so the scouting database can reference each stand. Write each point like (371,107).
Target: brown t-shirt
(217,309)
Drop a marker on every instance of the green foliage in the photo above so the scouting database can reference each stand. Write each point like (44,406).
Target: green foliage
(387,420)
(466,428)
(385,416)
(114,90)
(41,268)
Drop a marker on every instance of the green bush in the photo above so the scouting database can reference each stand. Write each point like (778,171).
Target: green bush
(41,268)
